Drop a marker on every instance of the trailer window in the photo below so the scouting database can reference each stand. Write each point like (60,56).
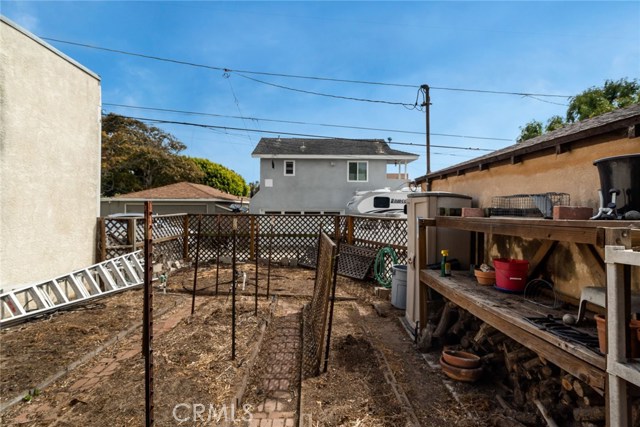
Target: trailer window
(381,202)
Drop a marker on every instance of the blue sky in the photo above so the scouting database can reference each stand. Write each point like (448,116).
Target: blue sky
(525,47)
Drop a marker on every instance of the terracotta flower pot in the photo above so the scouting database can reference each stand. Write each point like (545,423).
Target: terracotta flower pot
(634,325)
(461,374)
(461,359)
(485,277)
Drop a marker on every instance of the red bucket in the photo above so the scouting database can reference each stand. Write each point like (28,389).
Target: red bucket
(511,274)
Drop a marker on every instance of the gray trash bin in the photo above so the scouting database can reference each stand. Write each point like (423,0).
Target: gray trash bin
(399,286)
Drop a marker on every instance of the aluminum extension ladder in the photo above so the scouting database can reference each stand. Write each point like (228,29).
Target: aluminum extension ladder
(77,287)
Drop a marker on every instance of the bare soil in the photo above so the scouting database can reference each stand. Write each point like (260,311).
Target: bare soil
(373,364)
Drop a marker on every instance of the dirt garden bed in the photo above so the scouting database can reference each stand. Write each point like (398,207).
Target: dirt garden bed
(373,365)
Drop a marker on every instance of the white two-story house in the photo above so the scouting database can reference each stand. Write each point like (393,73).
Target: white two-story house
(314,176)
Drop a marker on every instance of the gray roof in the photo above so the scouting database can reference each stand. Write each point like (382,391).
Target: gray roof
(269,147)
(607,122)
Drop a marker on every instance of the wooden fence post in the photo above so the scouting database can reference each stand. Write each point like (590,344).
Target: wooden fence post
(102,240)
(336,228)
(185,238)
(350,230)
(131,233)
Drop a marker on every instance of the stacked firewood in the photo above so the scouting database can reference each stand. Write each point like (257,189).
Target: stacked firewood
(532,391)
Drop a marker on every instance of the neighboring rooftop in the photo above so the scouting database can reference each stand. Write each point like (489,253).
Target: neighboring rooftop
(330,147)
(623,119)
(181,190)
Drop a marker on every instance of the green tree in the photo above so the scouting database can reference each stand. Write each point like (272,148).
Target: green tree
(222,178)
(530,130)
(598,100)
(138,157)
(592,102)
(554,123)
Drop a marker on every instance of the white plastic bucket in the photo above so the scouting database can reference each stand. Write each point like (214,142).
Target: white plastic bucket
(399,286)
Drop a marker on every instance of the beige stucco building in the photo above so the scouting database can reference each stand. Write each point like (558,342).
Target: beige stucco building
(49,160)
(560,162)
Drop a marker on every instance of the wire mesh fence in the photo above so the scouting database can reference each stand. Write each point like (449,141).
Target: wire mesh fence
(316,312)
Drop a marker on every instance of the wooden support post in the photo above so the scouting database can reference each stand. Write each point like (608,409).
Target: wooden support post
(131,234)
(350,230)
(102,249)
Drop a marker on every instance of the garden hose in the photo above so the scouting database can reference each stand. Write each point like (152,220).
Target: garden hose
(379,267)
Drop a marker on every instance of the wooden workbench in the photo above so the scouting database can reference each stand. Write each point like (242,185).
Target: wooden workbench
(507,312)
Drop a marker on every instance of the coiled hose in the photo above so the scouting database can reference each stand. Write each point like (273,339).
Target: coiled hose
(379,266)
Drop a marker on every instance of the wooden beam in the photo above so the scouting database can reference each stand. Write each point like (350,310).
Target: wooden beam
(592,259)
(541,254)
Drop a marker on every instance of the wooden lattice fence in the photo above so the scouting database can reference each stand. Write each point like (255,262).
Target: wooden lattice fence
(288,239)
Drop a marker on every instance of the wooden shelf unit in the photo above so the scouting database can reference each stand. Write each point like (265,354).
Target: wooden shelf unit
(506,313)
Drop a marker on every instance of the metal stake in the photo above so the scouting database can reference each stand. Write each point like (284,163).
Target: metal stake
(147,333)
(257,231)
(269,262)
(195,274)
(233,292)
(218,256)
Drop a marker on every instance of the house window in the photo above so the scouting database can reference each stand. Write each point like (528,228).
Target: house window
(358,171)
(289,167)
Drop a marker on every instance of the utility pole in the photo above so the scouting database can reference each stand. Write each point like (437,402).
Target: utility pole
(426,104)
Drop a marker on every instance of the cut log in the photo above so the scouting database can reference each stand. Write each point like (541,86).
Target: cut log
(448,314)
(496,339)
(566,399)
(511,358)
(493,357)
(425,343)
(520,416)
(483,332)
(546,371)
(567,382)
(591,413)
(518,395)
(532,363)
(467,341)
(593,400)
(458,327)
(545,413)
(582,389)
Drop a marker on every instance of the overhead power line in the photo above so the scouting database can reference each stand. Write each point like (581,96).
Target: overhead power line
(448,135)
(272,132)
(297,76)
(348,98)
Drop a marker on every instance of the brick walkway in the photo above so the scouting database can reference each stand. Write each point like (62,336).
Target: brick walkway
(281,378)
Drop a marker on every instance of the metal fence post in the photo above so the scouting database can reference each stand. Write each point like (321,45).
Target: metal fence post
(147,334)
(185,238)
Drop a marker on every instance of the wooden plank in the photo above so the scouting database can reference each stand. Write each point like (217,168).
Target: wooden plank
(506,313)
(589,232)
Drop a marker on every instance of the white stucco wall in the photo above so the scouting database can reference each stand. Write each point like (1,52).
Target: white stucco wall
(49,160)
